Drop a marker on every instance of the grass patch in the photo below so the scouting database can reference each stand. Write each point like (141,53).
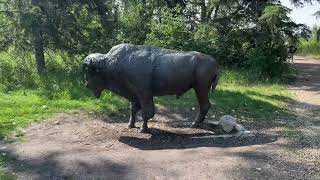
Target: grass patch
(237,95)
(309,47)
(4,161)
(27,98)
(20,108)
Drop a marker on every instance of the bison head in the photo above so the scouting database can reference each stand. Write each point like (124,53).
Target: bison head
(93,79)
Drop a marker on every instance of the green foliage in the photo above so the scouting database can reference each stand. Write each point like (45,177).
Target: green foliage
(267,63)
(16,74)
(310,46)
(63,91)
(134,25)
(275,15)
(169,31)
(227,30)
(206,39)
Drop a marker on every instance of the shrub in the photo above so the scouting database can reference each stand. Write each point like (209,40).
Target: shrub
(267,63)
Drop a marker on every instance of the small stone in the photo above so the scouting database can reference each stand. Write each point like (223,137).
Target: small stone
(228,123)
(258,169)
(193,109)
(57,122)
(44,107)
(239,128)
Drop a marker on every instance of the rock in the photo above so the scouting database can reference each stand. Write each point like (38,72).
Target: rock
(258,169)
(228,123)
(239,128)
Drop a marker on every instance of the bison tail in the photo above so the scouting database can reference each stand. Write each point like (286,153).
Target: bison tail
(214,83)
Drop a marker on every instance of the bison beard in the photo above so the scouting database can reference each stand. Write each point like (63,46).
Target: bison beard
(138,73)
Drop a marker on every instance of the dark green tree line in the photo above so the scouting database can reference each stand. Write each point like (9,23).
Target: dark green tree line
(248,34)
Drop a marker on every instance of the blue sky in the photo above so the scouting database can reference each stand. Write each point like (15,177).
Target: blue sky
(305,14)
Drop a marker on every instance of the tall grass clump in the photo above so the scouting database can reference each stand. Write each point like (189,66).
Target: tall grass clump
(26,97)
(309,47)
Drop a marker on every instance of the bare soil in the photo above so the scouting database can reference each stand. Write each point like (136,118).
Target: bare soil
(81,145)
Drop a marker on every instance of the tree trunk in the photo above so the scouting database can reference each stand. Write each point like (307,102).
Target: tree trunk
(203,14)
(216,10)
(102,11)
(39,54)
(257,24)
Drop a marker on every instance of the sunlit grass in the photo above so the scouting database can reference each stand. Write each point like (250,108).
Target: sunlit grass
(309,47)
(27,98)
(20,108)
(237,95)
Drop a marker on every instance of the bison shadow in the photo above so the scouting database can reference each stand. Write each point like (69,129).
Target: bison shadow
(161,140)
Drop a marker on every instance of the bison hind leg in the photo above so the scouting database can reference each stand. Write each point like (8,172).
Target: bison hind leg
(202,93)
(148,111)
(135,107)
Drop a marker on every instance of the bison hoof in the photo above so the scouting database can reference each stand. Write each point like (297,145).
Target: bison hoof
(144,130)
(130,126)
(194,125)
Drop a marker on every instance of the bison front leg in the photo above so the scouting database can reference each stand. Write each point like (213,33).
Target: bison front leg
(204,103)
(135,107)
(148,110)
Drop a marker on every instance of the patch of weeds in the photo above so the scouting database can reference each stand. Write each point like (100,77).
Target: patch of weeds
(19,133)
(6,176)
(4,161)
(236,95)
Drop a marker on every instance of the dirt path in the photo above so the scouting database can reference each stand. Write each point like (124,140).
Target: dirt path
(84,146)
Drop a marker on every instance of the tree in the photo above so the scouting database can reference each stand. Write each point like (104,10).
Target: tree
(53,24)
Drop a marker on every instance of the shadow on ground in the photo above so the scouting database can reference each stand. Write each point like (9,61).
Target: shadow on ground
(161,140)
(308,77)
(78,166)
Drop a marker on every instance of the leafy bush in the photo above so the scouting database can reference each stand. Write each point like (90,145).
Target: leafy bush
(169,31)
(267,63)
(64,78)
(17,72)
(205,39)
(134,25)
(309,47)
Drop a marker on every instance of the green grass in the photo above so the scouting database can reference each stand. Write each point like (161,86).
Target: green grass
(237,95)
(309,47)
(27,98)
(4,160)
(20,108)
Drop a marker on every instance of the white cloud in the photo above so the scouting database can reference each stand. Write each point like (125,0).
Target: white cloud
(304,14)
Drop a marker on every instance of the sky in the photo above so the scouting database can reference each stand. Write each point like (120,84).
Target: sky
(304,14)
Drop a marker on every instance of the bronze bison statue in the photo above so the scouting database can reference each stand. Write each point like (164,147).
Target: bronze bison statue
(138,73)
